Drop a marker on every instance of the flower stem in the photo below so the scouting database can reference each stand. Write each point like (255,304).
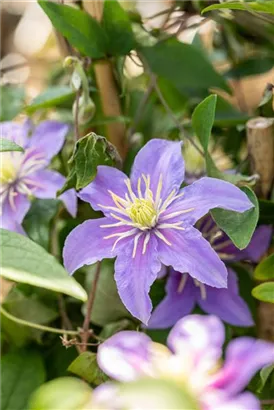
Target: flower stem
(85,330)
(36,325)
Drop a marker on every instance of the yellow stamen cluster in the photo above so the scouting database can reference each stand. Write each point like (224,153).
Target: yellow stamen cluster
(7,168)
(142,212)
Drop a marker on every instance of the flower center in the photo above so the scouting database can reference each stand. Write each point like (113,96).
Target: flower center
(8,170)
(143,212)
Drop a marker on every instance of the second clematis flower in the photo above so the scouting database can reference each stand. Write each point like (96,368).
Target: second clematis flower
(193,359)
(149,222)
(24,175)
(183,292)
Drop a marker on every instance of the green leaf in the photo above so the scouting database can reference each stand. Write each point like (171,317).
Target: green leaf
(150,393)
(239,226)
(63,393)
(264,375)
(81,30)
(264,292)
(12,100)
(183,65)
(263,7)
(7,145)
(117,26)
(114,327)
(26,262)
(203,119)
(50,98)
(106,296)
(265,269)
(250,66)
(37,221)
(90,151)
(22,372)
(86,367)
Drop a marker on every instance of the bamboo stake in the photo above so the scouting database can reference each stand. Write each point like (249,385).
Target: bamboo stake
(107,88)
(260,138)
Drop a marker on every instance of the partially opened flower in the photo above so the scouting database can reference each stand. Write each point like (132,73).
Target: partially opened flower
(149,221)
(23,175)
(183,292)
(193,360)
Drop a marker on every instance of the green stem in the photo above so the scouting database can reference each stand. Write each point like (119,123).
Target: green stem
(36,325)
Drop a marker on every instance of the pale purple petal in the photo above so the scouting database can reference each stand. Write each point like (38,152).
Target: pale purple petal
(86,244)
(227,304)
(45,184)
(15,132)
(160,159)
(258,245)
(97,192)
(125,356)
(208,193)
(176,304)
(48,138)
(190,252)
(202,336)
(13,215)
(69,199)
(244,357)
(135,275)
(106,396)
(244,401)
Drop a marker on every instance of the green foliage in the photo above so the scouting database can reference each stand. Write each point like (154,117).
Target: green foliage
(82,31)
(239,226)
(50,98)
(251,66)
(203,119)
(113,37)
(63,393)
(265,269)
(266,212)
(264,292)
(90,152)
(183,65)
(8,145)
(86,367)
(22,372)
(12,100)
(26,262)
(117,26)
(106,296)
(37,221)
(257,6)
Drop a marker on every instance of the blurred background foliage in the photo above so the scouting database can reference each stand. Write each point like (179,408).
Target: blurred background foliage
(138,73)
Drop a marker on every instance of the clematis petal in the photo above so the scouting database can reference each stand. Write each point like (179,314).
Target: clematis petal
(45,184)
(244,357)
(190,252)
(125,356)
(97,192)
(244,401)
(87,243)
(176,304)
(16,132)
(200,336)
(258,245)
(208,193)
(135,275)
(227,304)
(48,138)
(14,213)
(160,158)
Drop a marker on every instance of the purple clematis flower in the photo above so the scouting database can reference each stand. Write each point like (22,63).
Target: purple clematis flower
(192,359)
(23,175)
(183,292)
(148,221)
